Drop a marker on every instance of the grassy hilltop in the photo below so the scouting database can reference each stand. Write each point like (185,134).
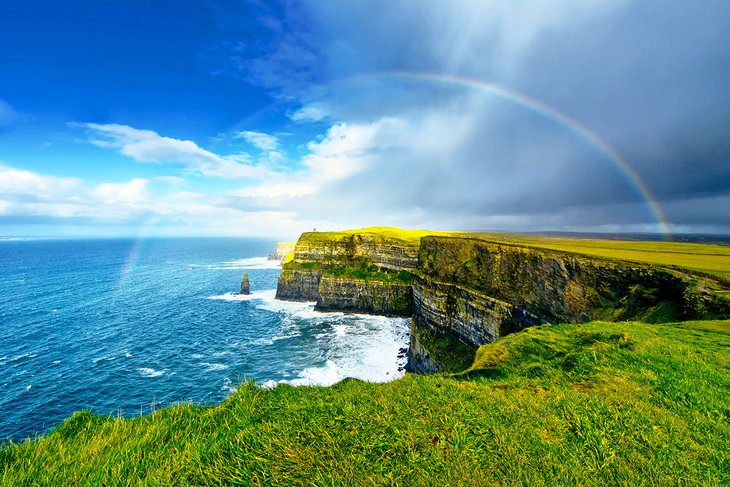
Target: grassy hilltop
(567,404)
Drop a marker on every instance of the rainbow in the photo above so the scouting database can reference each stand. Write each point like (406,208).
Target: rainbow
(134,253)
(549,113)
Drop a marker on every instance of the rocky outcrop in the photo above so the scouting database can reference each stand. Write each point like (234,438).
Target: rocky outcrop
(245,286)
(299,282)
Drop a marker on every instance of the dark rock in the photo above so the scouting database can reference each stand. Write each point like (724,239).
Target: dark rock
(245,286)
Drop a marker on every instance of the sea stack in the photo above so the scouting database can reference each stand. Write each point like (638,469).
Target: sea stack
(245,287)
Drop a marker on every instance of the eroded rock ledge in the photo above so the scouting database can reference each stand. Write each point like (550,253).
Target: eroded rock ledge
(464,291)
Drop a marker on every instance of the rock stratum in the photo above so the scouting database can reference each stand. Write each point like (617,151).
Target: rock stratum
(464,291)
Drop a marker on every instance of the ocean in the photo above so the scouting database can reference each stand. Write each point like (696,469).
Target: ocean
(123,327)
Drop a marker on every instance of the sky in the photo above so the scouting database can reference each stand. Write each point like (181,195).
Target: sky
(269,118)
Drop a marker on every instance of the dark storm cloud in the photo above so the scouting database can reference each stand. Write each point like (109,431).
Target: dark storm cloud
(649,77)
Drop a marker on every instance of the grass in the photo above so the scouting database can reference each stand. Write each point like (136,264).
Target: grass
(713,260)
(591,404)
(412,236)
(366,271)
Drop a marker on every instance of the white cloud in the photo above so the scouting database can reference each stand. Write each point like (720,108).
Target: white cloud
(148,146)
(71,203)
(132,192)
(311,112)
(343,152)
(260,140)
(20,182)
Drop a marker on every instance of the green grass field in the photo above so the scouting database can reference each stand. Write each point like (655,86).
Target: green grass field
(591,404)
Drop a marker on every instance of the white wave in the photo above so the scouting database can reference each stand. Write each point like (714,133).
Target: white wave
(213,367)
(21,357)
(107,358)
(197,356)
(284,337)
(56,362)
(250,263)
(365,347)
(262,341)
(295,309)
(148,372)
(258,295)
(228,385)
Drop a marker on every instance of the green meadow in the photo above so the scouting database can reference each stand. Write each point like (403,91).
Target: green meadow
(591,404)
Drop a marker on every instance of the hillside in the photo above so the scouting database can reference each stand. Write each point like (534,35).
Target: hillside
(590,404)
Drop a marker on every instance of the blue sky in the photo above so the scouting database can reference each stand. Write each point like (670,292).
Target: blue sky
(271,118)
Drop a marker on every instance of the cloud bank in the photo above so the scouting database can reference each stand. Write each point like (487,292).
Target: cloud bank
(648,77)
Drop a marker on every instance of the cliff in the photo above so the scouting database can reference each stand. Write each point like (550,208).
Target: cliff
(475,291)
(464,291)
(360,271)
(282,250)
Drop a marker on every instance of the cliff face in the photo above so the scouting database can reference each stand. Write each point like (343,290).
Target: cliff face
(363,295)
(356,272)
(299,282)
(464,292)
(474,291)
(552,286)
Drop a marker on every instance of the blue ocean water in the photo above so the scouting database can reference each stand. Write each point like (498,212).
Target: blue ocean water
(128,326)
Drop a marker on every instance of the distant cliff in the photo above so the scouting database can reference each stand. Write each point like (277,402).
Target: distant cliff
(282,250)
(464,291)
(358,272)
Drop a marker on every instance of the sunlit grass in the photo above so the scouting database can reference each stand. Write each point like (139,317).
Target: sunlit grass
(592,404)
(709,259)
(401,234)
